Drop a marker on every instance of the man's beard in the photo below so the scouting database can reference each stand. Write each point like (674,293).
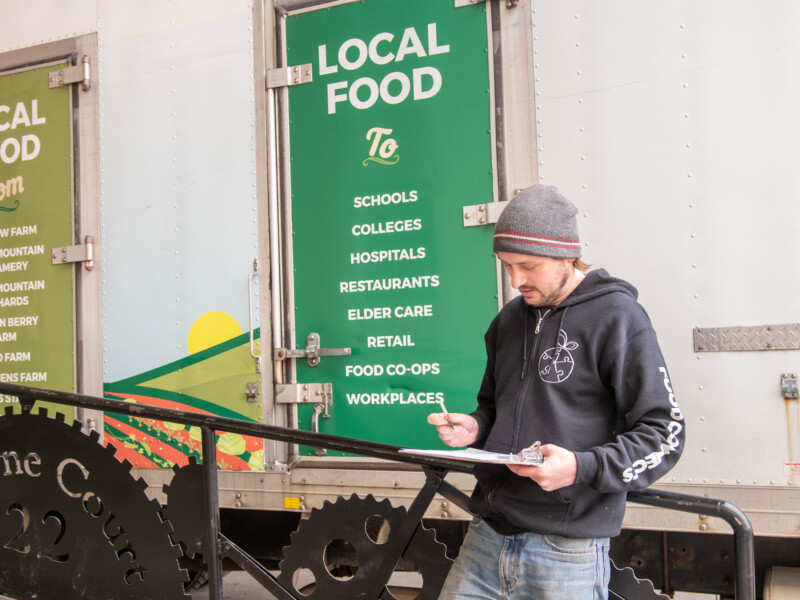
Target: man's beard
(551,298)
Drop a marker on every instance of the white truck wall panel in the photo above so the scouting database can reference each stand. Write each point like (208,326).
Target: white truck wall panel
(27,23)
(673,128)
(177,177)
(177,160)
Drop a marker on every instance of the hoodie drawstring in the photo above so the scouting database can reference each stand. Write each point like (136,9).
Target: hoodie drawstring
(558,346)
(524,341)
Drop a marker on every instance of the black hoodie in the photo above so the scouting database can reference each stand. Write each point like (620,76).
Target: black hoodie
(586,375)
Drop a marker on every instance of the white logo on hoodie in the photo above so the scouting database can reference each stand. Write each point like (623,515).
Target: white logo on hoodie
(556,364)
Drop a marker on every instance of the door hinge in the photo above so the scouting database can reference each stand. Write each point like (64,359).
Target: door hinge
(312,351)
(79,253)
(482,214)
(318,394)
(303,393)
(289,76)
(81,72)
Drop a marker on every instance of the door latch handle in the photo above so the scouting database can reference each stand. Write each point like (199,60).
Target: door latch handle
(312,351)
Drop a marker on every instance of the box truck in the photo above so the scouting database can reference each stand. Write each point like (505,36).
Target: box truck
(281,211)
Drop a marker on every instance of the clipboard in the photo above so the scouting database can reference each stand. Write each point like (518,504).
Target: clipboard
(529,456)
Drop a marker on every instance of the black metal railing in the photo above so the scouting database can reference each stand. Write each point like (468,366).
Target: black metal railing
(435,469)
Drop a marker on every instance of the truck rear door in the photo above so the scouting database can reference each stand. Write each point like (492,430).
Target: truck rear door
(46,236)
(388,292)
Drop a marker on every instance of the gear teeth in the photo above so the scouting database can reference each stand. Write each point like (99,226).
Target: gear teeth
(644,587)
(185,519)
(94,436)
(164,519)
(431,533)
(177,551)
(9,411)
(44,413)
(126,464)
(167,527)
(140,484)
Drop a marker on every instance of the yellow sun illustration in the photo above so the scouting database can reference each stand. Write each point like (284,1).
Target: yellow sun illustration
(211,329)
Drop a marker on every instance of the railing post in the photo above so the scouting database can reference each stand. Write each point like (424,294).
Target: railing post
(743,536)
(212,549)
(744,550)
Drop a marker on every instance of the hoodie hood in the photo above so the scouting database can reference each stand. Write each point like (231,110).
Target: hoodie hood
(598,283)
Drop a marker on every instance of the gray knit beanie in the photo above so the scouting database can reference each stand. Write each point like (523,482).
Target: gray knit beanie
(538,221)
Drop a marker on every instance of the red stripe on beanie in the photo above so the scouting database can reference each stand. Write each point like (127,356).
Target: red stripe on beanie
(542,240)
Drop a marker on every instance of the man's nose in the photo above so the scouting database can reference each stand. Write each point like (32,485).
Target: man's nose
(517,279)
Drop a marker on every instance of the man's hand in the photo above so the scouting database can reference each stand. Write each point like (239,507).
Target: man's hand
(559,469)
(455,429)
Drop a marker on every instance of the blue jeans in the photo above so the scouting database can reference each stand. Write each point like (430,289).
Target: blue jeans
(527,566)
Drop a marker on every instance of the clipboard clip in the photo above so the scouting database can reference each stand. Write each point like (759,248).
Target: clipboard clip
(531,455)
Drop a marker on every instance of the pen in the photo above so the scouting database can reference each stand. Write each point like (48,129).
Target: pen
(444,410)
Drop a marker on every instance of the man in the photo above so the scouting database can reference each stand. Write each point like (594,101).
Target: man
(573,363)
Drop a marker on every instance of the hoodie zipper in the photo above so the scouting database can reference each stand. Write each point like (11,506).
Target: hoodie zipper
(527,359)
(539,322)
(490,492)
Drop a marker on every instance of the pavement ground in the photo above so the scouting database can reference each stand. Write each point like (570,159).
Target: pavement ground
(238,585)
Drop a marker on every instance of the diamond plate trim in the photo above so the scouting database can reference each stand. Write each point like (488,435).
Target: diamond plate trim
(738,339)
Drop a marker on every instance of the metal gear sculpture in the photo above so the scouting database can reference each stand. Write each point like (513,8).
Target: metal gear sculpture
(624,585)
(352,520)
(74,523)
(185,510)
